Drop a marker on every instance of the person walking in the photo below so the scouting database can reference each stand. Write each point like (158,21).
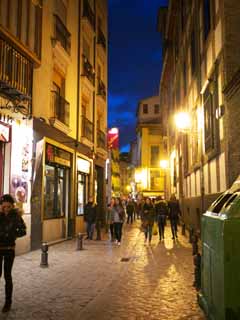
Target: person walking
(161,209)
(89,216)
(130,209)
(148,218)
(110,218)
(174,212)
(118,219)
(12,226)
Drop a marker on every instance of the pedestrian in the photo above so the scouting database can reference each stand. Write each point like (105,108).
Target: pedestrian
(90,217)
(118,220)
(161,209)
(12,226)
(110,218)
(148,218)
(130,208)
(174,212)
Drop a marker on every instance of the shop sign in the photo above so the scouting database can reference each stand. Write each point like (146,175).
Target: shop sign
(113,138)
(83,165)
(4,133)
(56,155)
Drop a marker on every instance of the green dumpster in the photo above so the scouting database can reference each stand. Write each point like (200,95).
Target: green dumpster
(219,296)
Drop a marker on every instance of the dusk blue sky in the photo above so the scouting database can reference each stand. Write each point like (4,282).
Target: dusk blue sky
(135,61)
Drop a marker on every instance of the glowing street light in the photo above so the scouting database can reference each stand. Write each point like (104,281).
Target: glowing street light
(164,164)
(183,121)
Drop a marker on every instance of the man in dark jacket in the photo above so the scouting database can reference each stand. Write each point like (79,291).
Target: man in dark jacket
(130,208)
(161,209)
(11,227)
(89,215)
(174,212)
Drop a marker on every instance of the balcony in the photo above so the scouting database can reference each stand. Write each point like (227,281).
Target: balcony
(61,108)
(16,73)
(88,13)
(101,39)
(87,129)
(101,139)
(62,34)
(88,70)
(101,89)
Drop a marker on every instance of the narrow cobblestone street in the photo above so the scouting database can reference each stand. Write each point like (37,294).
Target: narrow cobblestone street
(153,282)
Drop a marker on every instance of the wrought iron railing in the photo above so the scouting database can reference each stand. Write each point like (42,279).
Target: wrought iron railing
(101,38)
(101,139)
(62,34)
(88,70)
(102,89)
(87,129)
(61,108)
(16,72)
(88,13)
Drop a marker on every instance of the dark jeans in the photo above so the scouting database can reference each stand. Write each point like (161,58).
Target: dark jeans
(130,218)
(174,223)
(148,231)
(6,259)
(161,226)
(90,230)
(111,227)
(118,230)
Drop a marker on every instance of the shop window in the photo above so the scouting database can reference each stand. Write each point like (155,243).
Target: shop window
(82,188)
(55,190)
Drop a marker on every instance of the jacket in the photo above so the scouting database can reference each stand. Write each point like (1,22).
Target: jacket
(90,212)
(12,226)
(161,210)
(174,209)
(118,214)
(148,215)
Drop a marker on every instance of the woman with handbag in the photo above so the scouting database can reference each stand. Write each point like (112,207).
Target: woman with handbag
(12,226)
(148,218)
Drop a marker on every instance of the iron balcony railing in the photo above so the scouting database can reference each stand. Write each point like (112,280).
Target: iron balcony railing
(88,70)
(16,72)
(101,139)
(61,108)
(62,34)
(87,129)
(88,13)
(101,38)
(102,89)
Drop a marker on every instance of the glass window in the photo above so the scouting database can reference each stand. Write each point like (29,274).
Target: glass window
(55,191)
(145,108)
(219,203)
(156,108)
(82,192)
(155,156)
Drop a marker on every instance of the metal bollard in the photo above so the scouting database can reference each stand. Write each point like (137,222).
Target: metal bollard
(183,229)
(197,271)
(191,232)
(80,241)
(194,244)
(44,255)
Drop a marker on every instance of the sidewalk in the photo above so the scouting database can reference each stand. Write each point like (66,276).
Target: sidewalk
(105,281)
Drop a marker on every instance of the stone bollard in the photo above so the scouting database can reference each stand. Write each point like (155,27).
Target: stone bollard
(183,229)
(80,241)
(44,255)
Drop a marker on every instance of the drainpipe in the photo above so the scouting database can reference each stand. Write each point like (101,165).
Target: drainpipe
(78,71)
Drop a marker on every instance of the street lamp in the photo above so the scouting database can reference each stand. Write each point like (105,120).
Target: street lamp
(183,121)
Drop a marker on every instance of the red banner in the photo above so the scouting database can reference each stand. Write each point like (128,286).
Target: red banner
(113,138)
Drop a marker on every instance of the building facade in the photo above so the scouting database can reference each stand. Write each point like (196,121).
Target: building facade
(151,148)
(60,67)
(200,81)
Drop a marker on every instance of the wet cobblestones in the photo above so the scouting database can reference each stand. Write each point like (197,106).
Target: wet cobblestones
(154,282)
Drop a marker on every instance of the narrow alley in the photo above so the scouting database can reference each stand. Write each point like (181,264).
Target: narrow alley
(105,281)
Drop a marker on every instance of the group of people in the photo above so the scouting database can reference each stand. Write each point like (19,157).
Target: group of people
(158,212)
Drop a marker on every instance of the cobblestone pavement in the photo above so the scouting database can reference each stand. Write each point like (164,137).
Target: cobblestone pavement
(154,283)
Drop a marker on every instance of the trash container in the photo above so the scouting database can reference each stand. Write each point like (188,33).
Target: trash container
(220,269)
